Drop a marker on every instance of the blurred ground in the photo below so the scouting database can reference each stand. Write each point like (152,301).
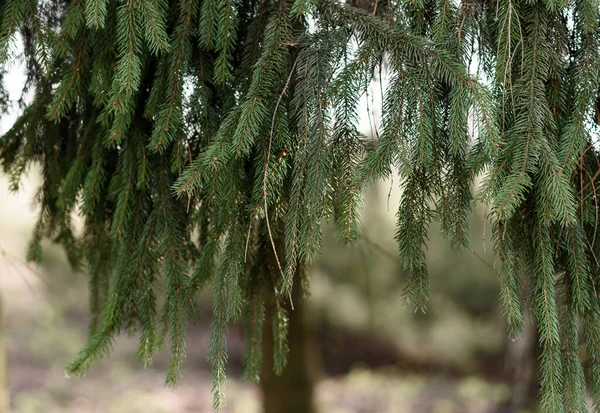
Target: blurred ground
(45,326)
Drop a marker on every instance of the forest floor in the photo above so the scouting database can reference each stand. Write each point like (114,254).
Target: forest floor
(44,328)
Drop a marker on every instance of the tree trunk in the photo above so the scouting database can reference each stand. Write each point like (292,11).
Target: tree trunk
(294,390)
(523,361)
(3,383)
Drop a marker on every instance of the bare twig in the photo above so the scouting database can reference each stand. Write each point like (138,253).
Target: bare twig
(483,260)
(267,157)
(379,248)
(247,241)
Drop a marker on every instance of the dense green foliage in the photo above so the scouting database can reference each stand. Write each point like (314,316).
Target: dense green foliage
(204,141)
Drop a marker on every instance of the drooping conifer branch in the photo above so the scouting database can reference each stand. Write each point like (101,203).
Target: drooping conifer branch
(164,123)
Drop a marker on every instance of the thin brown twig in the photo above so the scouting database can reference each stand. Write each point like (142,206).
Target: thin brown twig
(247,241)
(267,157)
(378,247)
(390,191)
(10,257)
(594,192)
(17,270)
(33,270)
(189,150)
(394,257)
(592,145)
(483,260)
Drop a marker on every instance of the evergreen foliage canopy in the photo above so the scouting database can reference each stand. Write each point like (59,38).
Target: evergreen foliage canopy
(204,142)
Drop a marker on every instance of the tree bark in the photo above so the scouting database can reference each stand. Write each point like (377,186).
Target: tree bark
(523,361)
(3,383)
(294,390)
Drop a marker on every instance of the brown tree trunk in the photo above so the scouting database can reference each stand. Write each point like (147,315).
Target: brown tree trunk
(522,361)
(294,390)
(3,383)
